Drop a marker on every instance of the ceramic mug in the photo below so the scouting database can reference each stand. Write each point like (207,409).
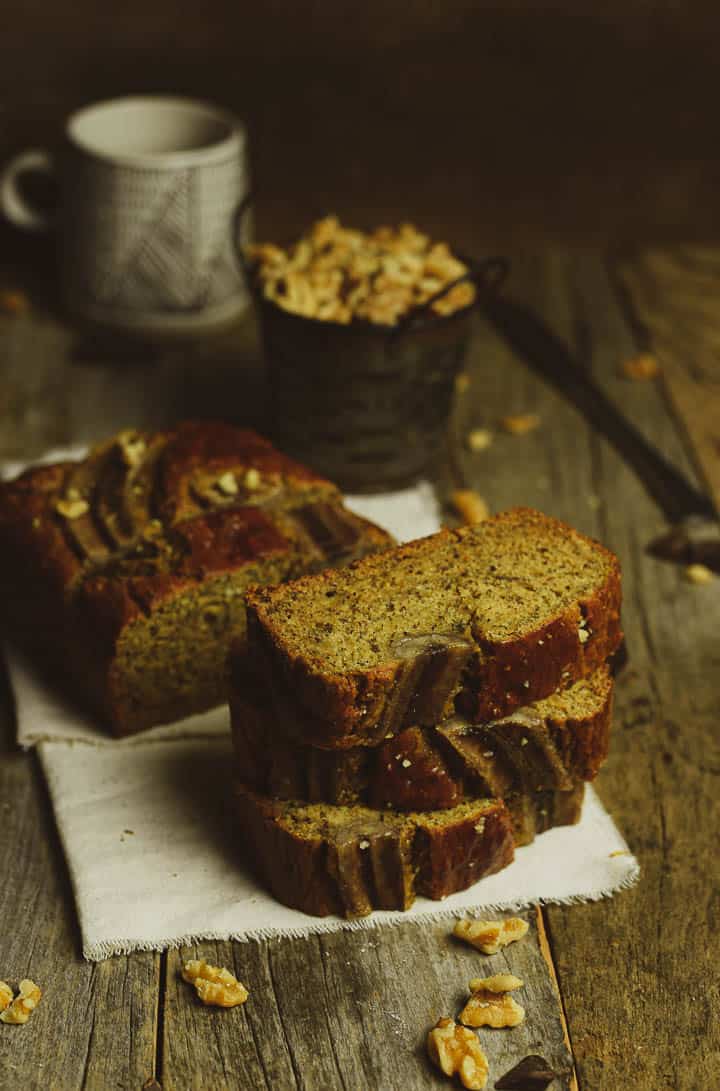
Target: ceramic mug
(149,188)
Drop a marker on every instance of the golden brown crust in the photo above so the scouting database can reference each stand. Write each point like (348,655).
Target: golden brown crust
(539,748)
(372,861)
(342,709)
(88,549)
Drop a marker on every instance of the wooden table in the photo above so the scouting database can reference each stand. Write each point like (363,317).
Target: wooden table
(633,978)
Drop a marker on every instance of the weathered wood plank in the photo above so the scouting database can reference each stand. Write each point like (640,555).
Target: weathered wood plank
(323,1011)
(66,385)
(620,963)
(95,1026)
(349,1010)
(675,295)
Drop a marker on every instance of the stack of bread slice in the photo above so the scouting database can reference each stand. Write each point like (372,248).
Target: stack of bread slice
(402,724)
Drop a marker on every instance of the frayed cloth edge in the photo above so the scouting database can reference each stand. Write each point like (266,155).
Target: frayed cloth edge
(97,952)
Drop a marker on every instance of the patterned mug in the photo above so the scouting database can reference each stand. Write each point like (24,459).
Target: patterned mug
(149,188)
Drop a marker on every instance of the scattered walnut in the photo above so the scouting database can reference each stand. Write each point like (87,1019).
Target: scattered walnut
(252,479)
(14,303)
(488,1008)
(71,509)
(520,423)
(133,447)
(214,985)
(152,530)
(456,1049)
(479,439)
(6,995)
(23,1005)
(498,983)
(583,635)
(698,573)
(227,483)
(338,274)
(490,936)
(469,505)
(644,366)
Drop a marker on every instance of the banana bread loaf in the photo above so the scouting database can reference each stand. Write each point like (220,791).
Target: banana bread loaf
(124,573)
(348,861)
(479,621)
(548,746)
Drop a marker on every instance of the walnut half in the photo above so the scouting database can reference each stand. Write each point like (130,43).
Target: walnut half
(23,1005)
(490,936)
(489,1005)
(6,995)
(214,985)
(455,1049)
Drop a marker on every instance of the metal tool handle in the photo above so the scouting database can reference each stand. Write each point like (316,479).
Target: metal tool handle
(546,353)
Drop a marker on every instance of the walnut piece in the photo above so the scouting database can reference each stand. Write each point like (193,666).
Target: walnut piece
(252,479)
(214,985)
(6,995)
(520,423)
(227,483)
(479,439)
(498,983)
(133,447)
(71,508)
(698,573)
(469,505)
(490,936)
(490,1008)
(337,274)
(641,367)
(23,1005)
(455,1049)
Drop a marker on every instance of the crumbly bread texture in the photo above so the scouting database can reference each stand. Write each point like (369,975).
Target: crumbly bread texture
(548,746)
(125,573)
(480,620)
(327,859)
(347,861)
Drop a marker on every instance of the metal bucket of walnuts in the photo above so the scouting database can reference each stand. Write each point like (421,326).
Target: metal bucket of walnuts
(363,336)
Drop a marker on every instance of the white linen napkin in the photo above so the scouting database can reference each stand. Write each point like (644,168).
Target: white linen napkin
(154,854)
(153,848)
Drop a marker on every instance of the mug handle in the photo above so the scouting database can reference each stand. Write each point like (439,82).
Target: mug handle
(17,208)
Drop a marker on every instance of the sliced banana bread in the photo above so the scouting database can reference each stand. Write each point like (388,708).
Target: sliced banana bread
(480,621)
(125,572)
(548,746)
(348,861)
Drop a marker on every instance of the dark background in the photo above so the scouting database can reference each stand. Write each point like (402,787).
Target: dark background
(485,122)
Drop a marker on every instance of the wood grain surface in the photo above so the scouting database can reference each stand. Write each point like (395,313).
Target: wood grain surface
(351,1010)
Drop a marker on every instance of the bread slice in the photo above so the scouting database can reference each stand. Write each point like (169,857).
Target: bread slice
(548,746)
(480,621)
(348,861)
(124,573)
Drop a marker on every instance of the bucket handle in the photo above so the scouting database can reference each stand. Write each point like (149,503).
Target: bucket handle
(487,276)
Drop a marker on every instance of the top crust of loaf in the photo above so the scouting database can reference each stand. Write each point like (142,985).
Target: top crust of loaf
(534,602)
(90,547)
